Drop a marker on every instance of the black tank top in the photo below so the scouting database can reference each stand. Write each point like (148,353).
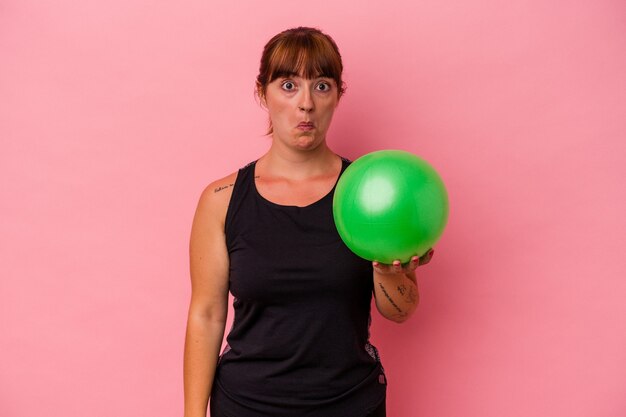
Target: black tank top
(299,344)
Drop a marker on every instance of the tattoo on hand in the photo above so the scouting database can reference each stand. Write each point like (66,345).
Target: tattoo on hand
(389,298)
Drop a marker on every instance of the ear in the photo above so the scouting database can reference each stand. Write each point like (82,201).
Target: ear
(260,94)
(342,89)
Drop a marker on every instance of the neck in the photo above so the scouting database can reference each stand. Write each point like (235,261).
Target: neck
(294,164)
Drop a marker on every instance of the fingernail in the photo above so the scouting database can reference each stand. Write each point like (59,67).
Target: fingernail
(375,263)
(415,259)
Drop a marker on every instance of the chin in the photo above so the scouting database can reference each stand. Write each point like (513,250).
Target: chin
(307,142)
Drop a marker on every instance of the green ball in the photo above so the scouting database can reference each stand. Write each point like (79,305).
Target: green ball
(390,205)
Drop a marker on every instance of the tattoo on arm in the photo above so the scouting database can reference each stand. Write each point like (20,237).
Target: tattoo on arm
(220,188)
(223,187)
(410,295)
(389,298)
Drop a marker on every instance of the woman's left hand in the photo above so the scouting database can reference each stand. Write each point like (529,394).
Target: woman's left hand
(395,287)
(397,267)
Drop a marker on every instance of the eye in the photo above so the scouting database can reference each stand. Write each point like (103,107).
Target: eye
(288,85)
(323,86)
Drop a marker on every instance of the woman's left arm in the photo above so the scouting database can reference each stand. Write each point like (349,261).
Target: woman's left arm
(395,287)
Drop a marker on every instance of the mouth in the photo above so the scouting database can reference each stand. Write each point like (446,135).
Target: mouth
(306,126)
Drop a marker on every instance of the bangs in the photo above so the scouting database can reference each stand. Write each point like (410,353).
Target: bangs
(305,57)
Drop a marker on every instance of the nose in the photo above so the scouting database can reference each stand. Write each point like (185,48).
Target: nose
(306,104)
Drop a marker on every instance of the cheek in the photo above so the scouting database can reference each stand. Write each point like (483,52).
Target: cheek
(275,102)
(277,110)
(328,112)
(279,113)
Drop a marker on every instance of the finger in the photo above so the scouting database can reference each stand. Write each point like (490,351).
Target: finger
(410,265)
(427,257)
(397,266)
(381,268)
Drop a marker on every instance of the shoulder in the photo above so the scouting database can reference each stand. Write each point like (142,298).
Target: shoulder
(218,188)
(215,197)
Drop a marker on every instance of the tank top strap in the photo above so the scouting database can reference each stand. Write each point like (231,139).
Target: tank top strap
(241,189)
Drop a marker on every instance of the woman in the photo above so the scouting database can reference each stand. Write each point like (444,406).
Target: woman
(299,345)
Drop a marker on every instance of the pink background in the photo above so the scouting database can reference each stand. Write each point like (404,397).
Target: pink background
(115,114)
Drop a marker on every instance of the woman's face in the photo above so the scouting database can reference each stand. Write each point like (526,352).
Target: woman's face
(301,109)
